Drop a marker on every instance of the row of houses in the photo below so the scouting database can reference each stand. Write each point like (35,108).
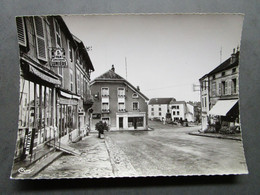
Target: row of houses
(170,109)
(55,96)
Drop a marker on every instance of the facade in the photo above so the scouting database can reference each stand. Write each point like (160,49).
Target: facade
(118,103)
(220,94)
(180,110)
(158,108)
(54,85)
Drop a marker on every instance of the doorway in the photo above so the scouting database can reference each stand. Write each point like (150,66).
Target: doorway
(121,123)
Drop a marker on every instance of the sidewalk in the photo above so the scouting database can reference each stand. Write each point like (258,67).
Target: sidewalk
(237,137)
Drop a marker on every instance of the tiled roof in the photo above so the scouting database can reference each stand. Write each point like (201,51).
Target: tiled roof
(109,75)
(225,65)
(154,101)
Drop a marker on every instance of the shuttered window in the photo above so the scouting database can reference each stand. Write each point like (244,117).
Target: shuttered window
(40,38)
(21,31)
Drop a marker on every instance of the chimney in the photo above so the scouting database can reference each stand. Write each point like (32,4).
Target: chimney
(113,68)
(233,56)
(138,88)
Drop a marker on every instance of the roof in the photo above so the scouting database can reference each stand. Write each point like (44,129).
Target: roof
(177,102)
(155,101)
(223,66)
(111,76)
(226,65)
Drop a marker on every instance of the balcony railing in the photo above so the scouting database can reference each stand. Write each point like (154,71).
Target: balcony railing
(121,110)
(105,110)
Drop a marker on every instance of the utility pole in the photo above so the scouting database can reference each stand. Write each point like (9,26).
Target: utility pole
(125,68)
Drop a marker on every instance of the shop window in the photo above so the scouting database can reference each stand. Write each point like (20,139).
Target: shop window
(135,122)
(21,31)
(40,38)
(135,105)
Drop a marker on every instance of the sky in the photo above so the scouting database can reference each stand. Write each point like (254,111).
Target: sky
(163,54)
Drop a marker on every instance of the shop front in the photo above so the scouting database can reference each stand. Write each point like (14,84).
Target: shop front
(131,121)
(224,117)
(37,109)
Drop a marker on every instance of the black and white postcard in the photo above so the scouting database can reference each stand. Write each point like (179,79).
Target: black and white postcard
(128,95)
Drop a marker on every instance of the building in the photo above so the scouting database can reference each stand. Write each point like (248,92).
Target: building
(220,95)
(54,85)
(118,103)
(158,108)
(181,110)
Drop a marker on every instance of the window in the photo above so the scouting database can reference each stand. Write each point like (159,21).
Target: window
(178,113)
(135,105)
(223,73)
(214,89)
(105,91)
(78,82)
(173,113)
(105,120)
(234,70)
(152,109)
(214,76)
(224,87)
(70,49)
(152,113)
(71,80)
(160,114)
(40,38)
(177,107)
(21,31)
(121,106)
(135,95)
(205,102)
(57,34)
(160,109)
(81,84)
(121,92)
(234,86)
(105,107)
(173,107)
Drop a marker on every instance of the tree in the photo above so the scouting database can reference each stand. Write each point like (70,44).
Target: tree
(101,127)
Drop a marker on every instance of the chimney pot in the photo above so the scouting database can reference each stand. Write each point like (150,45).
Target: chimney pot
(113,68)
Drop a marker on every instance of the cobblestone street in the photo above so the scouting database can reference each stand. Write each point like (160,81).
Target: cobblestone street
(166,150)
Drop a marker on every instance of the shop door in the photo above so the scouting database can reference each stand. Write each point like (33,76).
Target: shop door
(121,123)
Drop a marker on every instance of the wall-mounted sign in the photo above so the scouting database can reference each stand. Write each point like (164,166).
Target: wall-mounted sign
(96,115)
(58,58)
(81,113)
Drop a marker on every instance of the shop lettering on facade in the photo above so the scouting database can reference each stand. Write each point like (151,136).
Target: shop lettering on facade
(58,58)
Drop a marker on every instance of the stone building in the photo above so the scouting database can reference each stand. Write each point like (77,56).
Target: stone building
(118,103)
(159,108)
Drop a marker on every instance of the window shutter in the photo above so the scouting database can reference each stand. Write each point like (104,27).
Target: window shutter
(229,87)
(40,38)
(21,31)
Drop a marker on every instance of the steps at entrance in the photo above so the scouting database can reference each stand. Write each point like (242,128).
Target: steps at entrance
(66,149)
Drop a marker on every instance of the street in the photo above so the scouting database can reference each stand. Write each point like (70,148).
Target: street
(165,151)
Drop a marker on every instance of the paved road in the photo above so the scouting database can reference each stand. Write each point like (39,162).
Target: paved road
(166,150)
(169,150)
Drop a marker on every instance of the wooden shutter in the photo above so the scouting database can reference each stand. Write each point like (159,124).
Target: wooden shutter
(21,31)
(219,89)
(229,83)
(40,38)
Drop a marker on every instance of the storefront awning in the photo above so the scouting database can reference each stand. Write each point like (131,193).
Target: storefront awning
(222,107)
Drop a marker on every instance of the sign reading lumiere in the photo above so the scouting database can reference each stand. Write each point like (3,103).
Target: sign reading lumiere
(58,58)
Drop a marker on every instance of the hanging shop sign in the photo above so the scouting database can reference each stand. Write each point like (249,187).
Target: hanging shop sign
(44,76)
(58,58)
